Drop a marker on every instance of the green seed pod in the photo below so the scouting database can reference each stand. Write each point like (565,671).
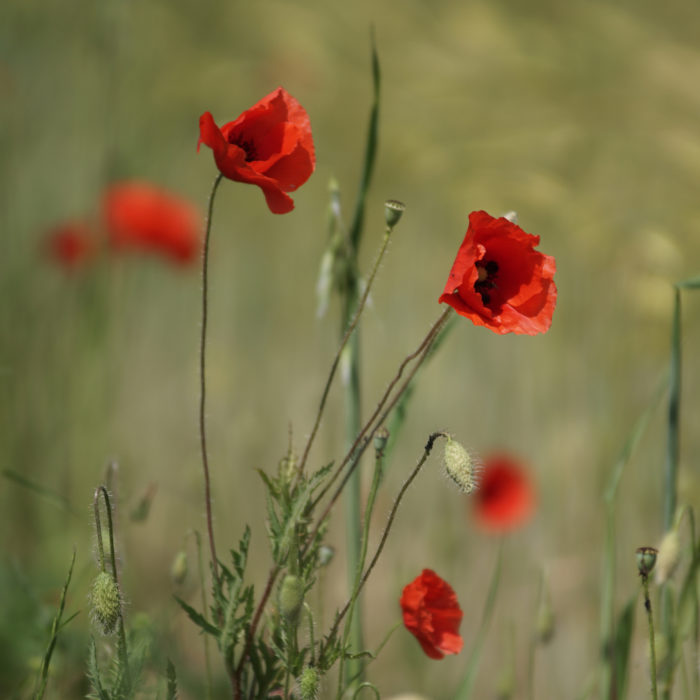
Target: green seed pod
(460,466)
(646,559)
(309,682)
(291,598)
(178,570)
(106,602)
(393,211)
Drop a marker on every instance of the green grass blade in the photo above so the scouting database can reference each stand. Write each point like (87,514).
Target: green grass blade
(622,646)
(370,154)
(690,283)
(42,491)
(55,628)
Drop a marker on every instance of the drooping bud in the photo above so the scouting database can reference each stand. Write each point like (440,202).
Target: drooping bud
(309,682)
(646,559)
(460,466)
(291,598)
(105,601)
(178,570)
(669,556)
(393,211)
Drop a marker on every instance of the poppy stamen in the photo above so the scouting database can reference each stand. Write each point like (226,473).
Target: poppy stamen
(487,272)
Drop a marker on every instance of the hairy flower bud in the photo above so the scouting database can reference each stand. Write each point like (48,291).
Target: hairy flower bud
(178,570)
(308,683)
(291,598)
(461,466)
(105,601)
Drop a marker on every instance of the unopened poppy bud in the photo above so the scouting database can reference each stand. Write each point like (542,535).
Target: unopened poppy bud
(393,211)
(669,556)
(291,598)
(178,570)
(105,601)
(544,624)
(646,558)
(308,683)
(380,439)
(460,466)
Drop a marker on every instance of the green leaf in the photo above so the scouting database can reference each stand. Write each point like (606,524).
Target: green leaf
(171,692)
(621,648)
(93,673)
(198,618)
(690,283)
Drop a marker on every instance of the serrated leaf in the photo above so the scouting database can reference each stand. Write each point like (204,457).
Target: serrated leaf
(198,618)
(171,691)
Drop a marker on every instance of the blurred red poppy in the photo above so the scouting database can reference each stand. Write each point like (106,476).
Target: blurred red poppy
(432,614)
(505,499)
(144,217)
(269,145)
(72,244)
(499,280)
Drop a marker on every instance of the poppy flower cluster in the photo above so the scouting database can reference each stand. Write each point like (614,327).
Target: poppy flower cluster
(431,613)
(134,216)
(505,499)
(269,145)
(498,279)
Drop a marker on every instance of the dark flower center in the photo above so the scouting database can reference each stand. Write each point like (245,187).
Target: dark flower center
(249,148)
(488,273)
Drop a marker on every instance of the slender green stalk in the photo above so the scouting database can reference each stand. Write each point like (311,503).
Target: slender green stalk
(202,377)
(671,485)
(55,626)
(652,646)
(102,491)
(466,686)
(426,453)
(369,507)
(203,589)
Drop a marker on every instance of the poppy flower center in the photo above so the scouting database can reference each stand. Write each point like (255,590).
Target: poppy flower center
(251,152)
(487,274)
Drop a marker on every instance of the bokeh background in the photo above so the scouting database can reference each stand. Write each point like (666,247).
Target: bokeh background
(581,116)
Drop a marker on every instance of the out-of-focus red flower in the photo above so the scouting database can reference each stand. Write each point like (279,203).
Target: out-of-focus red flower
(499,280)
(432,614)
(505,499)
(144,217)
(269,145)
(72,244)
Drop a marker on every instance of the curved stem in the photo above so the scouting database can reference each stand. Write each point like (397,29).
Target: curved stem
(202,378)
(426,453)
(343,343)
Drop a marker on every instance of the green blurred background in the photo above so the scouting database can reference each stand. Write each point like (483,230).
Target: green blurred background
(584,117)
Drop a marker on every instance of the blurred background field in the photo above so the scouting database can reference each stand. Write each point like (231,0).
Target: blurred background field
(584,117)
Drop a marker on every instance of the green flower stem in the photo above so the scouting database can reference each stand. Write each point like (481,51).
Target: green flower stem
(426,453)
(202,377)
(652,646)
(369,507)
(203,589)
(376,420)
(101,490)
(465,689)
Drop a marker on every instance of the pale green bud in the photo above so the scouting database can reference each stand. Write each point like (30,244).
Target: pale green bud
(460,466)
(291,598)
(178,570)
(105,601)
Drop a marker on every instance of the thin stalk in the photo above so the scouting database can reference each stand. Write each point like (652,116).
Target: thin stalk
(397,502)
(202,377)
(205,637)
(369,507)
(101,490)
(465,689)
(652,646)
(671,482)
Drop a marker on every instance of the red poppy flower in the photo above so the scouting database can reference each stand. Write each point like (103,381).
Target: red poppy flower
(144,217)
(505,499)
(72,244)
(499,280)
(269,145)
(432,614)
